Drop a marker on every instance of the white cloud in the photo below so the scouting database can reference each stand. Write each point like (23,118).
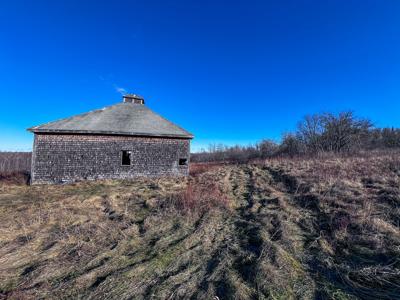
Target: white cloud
(109,81)
(120,90)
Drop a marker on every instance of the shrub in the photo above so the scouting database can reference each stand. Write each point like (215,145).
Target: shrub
(200,198)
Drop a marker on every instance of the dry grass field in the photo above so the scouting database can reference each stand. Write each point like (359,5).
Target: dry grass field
(323,228)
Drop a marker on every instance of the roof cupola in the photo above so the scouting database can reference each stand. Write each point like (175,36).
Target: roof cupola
(133,98)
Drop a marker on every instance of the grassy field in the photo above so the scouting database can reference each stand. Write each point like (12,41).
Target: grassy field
(281,229)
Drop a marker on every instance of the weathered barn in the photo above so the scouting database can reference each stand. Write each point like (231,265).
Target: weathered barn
(124,140)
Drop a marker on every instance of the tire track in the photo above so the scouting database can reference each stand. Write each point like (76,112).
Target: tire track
(248,230)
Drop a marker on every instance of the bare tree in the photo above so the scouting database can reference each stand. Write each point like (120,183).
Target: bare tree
(343,132)
(309,132)
(291,145)
(327,132)
(267,148)
(333,133)
(11,162)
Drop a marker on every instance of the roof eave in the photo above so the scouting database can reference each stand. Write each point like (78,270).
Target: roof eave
(63,131)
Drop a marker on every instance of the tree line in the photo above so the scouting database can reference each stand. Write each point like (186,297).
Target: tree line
(315,134)
(11,162)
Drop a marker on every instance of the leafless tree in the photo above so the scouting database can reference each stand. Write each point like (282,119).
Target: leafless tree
(326,132)
(291,145)
(11,162)
(343,132)
(309,132)
(267,148)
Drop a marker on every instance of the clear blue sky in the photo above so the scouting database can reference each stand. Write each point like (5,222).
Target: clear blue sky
(228,71)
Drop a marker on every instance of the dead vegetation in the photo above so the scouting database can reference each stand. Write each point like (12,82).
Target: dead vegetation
(15,162)
(15,167)
(281,229)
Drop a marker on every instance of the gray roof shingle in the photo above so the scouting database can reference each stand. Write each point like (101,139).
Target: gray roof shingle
(119,119)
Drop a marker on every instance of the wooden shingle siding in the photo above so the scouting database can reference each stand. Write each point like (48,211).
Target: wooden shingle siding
(61,158)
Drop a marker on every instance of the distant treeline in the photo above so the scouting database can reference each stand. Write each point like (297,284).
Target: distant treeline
(315,135)
(13,162)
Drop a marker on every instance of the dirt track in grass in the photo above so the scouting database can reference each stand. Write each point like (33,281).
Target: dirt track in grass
(287,229)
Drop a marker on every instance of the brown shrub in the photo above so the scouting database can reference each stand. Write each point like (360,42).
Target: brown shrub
(18,178)
(200,168)
(198,199)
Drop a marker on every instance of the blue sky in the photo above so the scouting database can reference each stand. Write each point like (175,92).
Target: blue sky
(228,71)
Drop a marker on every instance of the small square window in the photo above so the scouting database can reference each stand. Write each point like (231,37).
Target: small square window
(126,158)
(183,161)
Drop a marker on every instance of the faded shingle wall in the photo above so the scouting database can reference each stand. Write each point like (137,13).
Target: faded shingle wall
(67,158)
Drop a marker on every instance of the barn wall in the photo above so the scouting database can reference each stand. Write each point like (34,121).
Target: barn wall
(68,158)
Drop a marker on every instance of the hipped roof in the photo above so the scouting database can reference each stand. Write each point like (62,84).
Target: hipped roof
(119,119)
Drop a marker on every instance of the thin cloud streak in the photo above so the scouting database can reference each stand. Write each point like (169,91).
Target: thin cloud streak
(120,90)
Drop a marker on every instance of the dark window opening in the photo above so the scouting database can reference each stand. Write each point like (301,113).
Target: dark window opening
(183,161)
(126,158)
